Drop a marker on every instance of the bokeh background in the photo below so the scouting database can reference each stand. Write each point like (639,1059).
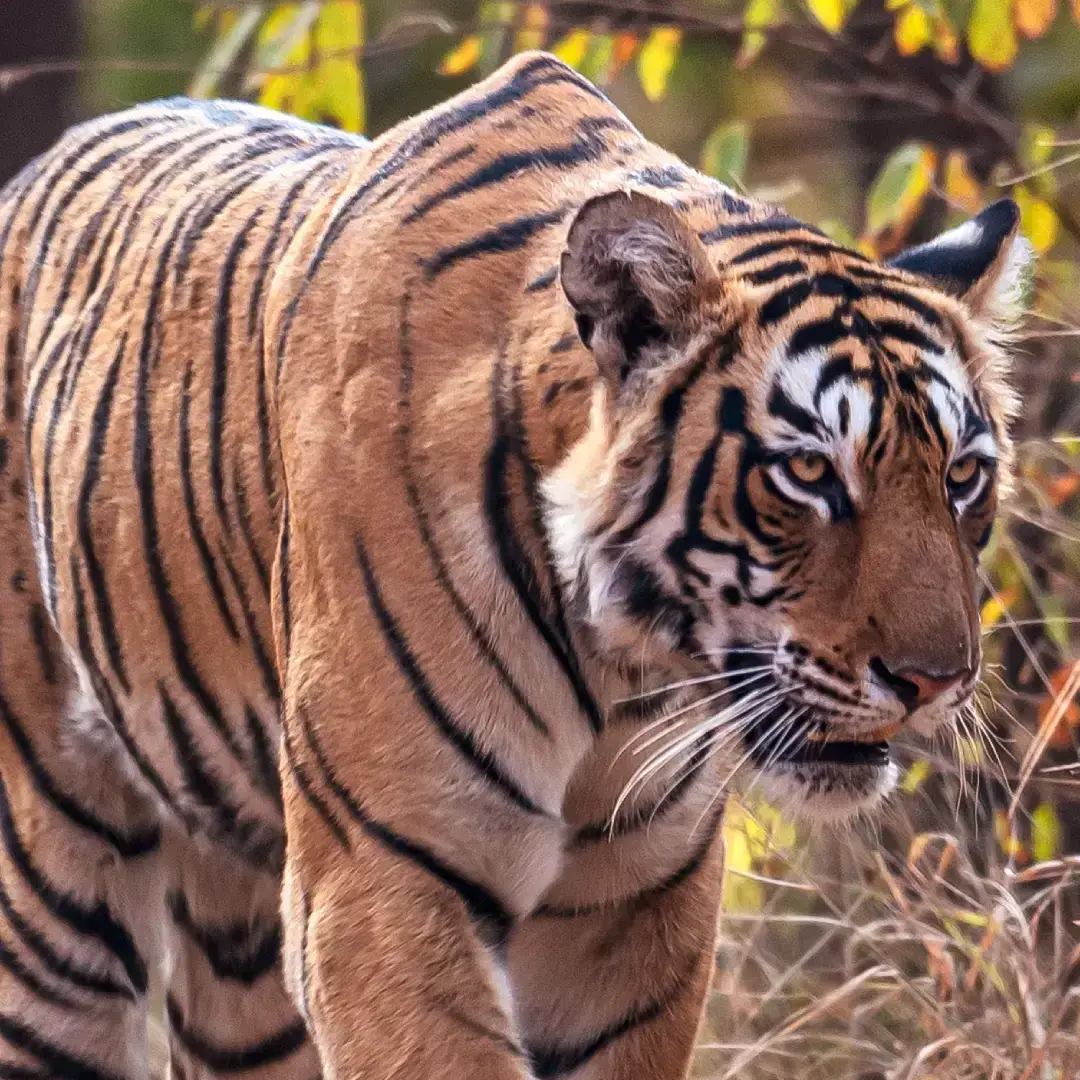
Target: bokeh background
(940,941)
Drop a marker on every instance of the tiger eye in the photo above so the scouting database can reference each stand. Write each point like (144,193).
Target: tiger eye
(963,471)
(809,468)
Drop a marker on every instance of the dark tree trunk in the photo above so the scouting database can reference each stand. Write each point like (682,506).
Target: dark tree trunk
(34,111)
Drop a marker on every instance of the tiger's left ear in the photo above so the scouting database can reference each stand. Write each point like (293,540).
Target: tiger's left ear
(984,262)
(636,276)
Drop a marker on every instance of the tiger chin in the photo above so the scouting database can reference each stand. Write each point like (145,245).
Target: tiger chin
(407,543)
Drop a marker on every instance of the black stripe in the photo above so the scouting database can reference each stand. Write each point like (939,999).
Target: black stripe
(247,530)
(127,844)
(244,168)
(222,1059)
(143,468)
(839,367)
(483,906)
(242,951)
(478,633)
(786,301)
(819,335)
(10,962)
(794,247)
(588,147)
(782,407)
(94,922)
(58,965)
(508,236)
(287,201)
(195,528)
(547,71)
(645,816)
(548,1062)
(267,669)
(264,754)
(58,1062)
(283,576)
(910,335)
(671,409)
(769,274)
(103,691)
(307,789)
(543,281)
(515,563)
(219,367)
(483,761)
(246,836)
(781,223)
(39,634)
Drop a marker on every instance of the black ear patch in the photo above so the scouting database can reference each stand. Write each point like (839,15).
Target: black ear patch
(958,260)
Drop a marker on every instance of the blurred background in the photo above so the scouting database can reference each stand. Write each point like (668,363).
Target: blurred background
(941,941)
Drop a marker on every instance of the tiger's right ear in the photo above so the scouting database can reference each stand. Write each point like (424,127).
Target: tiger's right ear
(636,277)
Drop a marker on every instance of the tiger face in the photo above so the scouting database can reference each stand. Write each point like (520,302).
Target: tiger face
(793,460)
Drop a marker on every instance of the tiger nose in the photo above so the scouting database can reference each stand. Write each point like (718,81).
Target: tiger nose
(917,688)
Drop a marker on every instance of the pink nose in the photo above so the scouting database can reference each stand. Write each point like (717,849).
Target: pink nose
(917,688)
(930,687)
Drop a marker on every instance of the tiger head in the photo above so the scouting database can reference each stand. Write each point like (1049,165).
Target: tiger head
(793,459)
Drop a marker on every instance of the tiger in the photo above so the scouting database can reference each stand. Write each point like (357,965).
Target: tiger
(407,545)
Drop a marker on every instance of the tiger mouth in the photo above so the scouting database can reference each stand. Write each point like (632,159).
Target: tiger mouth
(817,743)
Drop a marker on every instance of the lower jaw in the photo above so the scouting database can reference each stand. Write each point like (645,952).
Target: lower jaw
(824,791)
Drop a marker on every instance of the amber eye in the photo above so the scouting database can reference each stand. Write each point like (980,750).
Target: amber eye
(809,468)
(963,472)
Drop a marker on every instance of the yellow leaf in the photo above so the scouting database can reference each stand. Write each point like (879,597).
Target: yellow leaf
(339,85)
(463,57)
(657,59)
(1033,17)
(915,776)
(571,50)
(533,31)
(961,188)
(913,30)
(896,5)
(758,16)
(1045,833)
(1076,11)
(1038,222)
(1008,841)
(946,43)
(994,609)
(991,34)
(900,188)
(832,14)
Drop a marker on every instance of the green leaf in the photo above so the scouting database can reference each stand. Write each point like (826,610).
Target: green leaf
(225,51)
(725,152)
(657,59)
(900,187)
(598,58)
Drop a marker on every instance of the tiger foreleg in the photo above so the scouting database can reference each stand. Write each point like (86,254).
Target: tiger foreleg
(617,992)
(391,973)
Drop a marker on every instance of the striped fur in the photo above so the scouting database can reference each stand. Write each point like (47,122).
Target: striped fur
(453,465)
